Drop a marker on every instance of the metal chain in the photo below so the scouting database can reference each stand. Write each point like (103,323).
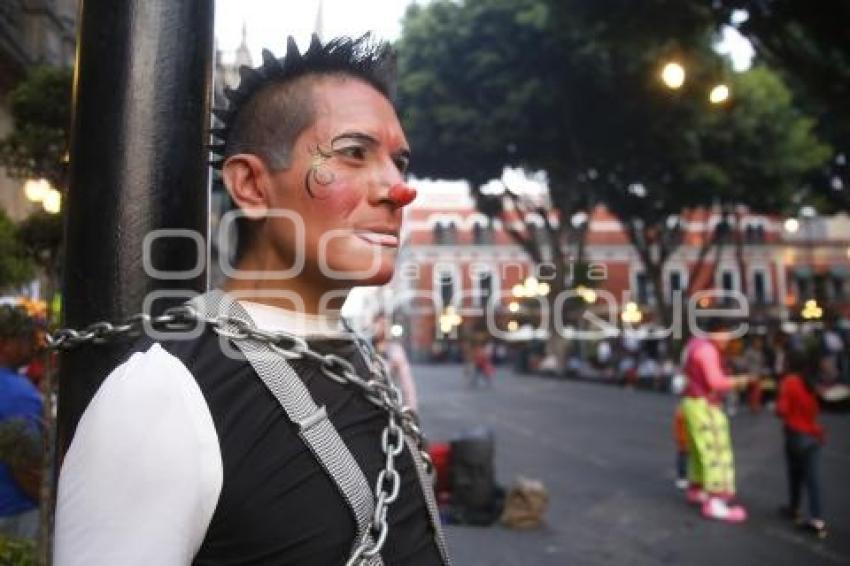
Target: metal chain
(379,390)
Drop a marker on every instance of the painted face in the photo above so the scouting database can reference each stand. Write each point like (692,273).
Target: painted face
(346,181)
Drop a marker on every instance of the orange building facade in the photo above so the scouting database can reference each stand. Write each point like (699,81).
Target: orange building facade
(456,268)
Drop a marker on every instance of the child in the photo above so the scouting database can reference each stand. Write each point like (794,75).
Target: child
(680,433)
(797,406)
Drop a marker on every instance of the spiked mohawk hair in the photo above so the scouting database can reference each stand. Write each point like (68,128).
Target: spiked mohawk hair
(265,113)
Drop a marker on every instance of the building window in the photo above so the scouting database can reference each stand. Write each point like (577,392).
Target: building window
(804,288)
(837,288)
(445,233)
(643,289)
(485,288)
(675,282)
(439,233)
(727,281)
(759,287)
(754,234)
(839,276)
(481,233)
(450,237)
(445,281)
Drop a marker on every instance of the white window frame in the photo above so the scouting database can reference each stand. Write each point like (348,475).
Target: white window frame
(683,278)
(457,284)
(764,269)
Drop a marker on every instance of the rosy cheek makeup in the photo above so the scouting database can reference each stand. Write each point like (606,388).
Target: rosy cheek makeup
(339,199)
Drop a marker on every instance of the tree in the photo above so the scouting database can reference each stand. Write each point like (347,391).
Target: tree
(638,139)
(566,87)
(41,110)
(476,94)
(40,236)
(16,266)
(807,43)
(37,149)
(764,140)
(572,88)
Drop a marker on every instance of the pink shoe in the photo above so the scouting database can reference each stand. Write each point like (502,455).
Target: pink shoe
(696,495)
(716,508)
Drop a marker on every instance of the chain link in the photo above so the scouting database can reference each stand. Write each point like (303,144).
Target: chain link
(379,390)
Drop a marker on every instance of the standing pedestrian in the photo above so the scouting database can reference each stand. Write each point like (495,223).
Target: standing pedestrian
(482,366)
(273,436)
(797,406)
(680,436)
(399,366)
(20,415)
(711,470)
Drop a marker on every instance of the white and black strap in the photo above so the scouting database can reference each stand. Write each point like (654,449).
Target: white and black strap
(315,429)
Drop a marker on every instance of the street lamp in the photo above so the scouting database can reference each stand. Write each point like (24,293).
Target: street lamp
(530,288)
(631,313)
(40,191)
(811,310)
(587,295)
(719,94)
(36,189)
(52,202)
(449,320)
(792,225)
(673,75)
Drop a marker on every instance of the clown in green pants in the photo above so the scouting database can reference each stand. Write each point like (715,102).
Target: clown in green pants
(711,471)
(710,459)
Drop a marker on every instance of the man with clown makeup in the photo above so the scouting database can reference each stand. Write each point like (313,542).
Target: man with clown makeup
(272,435)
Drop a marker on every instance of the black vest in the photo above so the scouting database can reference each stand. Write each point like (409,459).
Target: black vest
(277,505)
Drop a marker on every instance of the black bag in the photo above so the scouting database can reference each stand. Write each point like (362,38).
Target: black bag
(476,499)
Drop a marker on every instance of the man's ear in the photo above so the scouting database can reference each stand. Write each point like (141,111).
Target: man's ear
(247,180)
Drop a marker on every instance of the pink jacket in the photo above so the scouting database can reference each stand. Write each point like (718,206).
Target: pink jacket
(705,371)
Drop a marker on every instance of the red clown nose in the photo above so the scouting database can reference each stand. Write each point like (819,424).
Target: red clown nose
(401,194)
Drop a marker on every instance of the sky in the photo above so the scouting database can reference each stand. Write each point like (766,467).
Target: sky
(269,22)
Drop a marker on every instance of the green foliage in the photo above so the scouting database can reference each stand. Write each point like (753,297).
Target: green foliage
(17,552)
(572,87)
(467,81)
(761,149)
(36,148)
(15,264)
(807,43)
(41,110)
(41,235)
